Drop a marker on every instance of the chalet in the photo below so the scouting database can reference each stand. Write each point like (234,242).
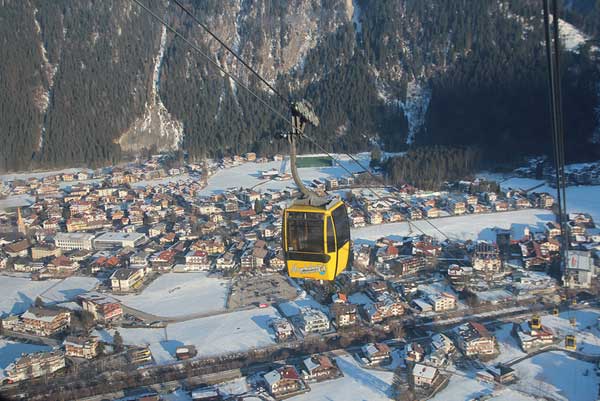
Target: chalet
(313,320)
(471,200)
(16,249)
(331,183)
(283,329)
(357,219)
(381,310)
(376,353)
(487,258)
(277,263)
(344,315)
(415,213)
(542,200)
(282,381)
(197,260)
(431,212)
(457,207)
(531,337)
(386,253)
(424,375)
(426,248)
(520,202)
(225,262)
(126,279)
(38,364)
(39,321)
(374,218)
(414,352)
(474,340)
(319,368)
(102,307)
(81,347)
(500,206)
(62,265)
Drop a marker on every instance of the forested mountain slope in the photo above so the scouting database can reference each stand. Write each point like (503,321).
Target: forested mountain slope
(84,82)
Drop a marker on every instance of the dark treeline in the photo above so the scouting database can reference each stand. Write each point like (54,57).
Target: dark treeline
(482,60)
(430,167)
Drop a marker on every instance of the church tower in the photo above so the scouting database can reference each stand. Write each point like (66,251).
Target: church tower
(21,227)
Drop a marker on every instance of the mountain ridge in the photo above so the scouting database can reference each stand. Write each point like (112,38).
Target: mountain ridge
(103,80)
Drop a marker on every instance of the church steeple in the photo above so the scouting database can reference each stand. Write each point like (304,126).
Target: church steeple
(21,227)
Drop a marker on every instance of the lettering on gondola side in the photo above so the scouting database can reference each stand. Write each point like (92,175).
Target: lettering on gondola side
(309,269)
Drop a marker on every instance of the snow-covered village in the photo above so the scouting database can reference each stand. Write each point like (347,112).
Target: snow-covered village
(160,280)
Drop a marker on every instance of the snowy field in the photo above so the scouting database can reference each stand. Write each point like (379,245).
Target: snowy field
(10,350)
(180,294)
(473,227)
(582,198)
(18,293)
(68,289)
(559,376)
(509,347)
(214,335)
(247,175)
(586,331)
(461,388)
(357,384)
(40,174)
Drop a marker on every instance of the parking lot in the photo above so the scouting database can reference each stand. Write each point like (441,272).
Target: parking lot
(263,289)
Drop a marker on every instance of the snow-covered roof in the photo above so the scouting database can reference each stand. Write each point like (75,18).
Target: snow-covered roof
(424,371)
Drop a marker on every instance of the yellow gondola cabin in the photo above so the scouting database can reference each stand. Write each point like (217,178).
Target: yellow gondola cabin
(316,240)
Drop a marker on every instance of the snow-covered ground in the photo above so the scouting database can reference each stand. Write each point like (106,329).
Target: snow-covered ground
(583,198)
(465,388)
(559,376)
(247,175)
(180,294)
(474,227)
(19,293)
(357,384)
(571,37)
(509,348)
(214,335)
(586,330)
(10,350)
(68,289)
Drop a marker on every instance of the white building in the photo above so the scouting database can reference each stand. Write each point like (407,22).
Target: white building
(424,375)
(442,302)
(111,240)
(73,241)
(314,320)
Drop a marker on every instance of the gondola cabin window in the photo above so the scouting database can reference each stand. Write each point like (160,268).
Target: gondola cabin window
(305,232)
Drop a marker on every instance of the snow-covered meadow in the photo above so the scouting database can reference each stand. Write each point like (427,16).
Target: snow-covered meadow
(581,198)
(473,227)
(559,376)
(358,383)
(180,294)
(214,335)
(19,293)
